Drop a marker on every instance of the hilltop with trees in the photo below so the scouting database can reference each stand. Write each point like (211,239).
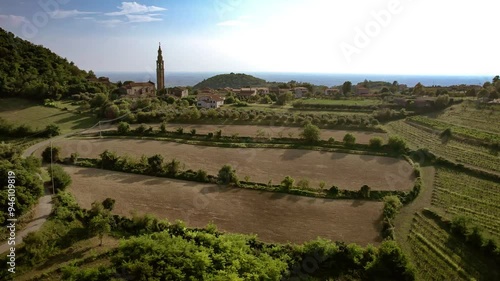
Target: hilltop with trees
(232,80)
(32,71)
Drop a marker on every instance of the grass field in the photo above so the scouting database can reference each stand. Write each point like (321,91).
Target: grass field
(437,255)
(453,150)
(348,171)
(22,111)
(273,217)
(462,194)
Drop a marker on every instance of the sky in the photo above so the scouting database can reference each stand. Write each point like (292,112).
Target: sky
(420,37)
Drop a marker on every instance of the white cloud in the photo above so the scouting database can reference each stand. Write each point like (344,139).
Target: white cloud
(142,18)
(12,20)
(128,8)
(62,14)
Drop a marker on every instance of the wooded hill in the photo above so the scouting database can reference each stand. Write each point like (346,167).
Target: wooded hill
(232,80)
(33,71)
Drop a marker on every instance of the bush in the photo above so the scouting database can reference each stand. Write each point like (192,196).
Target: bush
(52,130)
(287,182)
(173,167)
(397,144)
(123,128)
(54,151)
(60,177)
(311,133)
(376,143)
(364,191)
(227,175)
(349,139)
(303,184)
(202,176)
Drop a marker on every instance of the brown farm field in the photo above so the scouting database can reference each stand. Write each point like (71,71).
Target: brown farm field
(274,217)
(275,131)
(348,171)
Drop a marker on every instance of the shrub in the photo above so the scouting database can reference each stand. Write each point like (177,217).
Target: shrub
(173,167)
(376,143)
(73,158)
(180,131)
(54,151)
(227,175)
(303,184)
(349,139)
(108,160)
(60,177)
(193,132)
(397,144)
(287,182)
(364,191)
(311,133)
(52,130)
(163,128)
(141,129)
(201,176)
(123,128)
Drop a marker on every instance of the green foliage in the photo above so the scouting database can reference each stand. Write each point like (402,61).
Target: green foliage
(99,225)
(287,183)
(173,167)
(55,151)
(227,175)
(349,139)
(108,204)
(108,160)
(34,72)
(52,130)
(123,128)
(155,164)
(397,144)
(60,177)
(75,273)
(231,80)
(303,184)
(376,143)
(346,87)
(311,133)
(364,191)
(196,256)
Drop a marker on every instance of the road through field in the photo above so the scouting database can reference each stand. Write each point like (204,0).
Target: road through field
(274,217)
(347,171)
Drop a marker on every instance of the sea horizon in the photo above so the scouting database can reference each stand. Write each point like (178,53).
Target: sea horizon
(327,79)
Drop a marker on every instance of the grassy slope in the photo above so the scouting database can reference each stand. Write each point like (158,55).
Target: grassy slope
(21,111)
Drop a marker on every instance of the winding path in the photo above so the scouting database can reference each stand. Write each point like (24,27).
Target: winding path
(44,206)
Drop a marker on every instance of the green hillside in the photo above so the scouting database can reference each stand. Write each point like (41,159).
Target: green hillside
(232,80)
(32,71)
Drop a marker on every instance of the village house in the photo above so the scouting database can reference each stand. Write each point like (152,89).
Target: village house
(246,92)
(207,91)
(210,101)
(300,92)
(331,92)
(180,92)
(140,89)
(263,91)
(360,90)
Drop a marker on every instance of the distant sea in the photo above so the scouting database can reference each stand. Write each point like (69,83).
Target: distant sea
(192,78)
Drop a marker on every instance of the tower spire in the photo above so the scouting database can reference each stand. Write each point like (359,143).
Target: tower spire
(160,70)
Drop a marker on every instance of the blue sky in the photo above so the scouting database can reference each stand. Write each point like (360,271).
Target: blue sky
(324,36)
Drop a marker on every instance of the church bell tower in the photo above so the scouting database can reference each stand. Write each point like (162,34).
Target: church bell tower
(160,71)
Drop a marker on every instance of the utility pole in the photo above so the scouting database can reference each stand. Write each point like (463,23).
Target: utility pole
(51,170)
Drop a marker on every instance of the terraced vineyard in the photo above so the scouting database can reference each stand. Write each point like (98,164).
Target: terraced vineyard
(439,256)
(453,150)
(458,130)
(468,114)
(461,194)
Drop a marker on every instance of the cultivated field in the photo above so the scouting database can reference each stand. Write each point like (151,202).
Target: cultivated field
(274,131)
(453,150)
(349,171)
(274,217)
(438,255)
(461,194)
(468,114)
